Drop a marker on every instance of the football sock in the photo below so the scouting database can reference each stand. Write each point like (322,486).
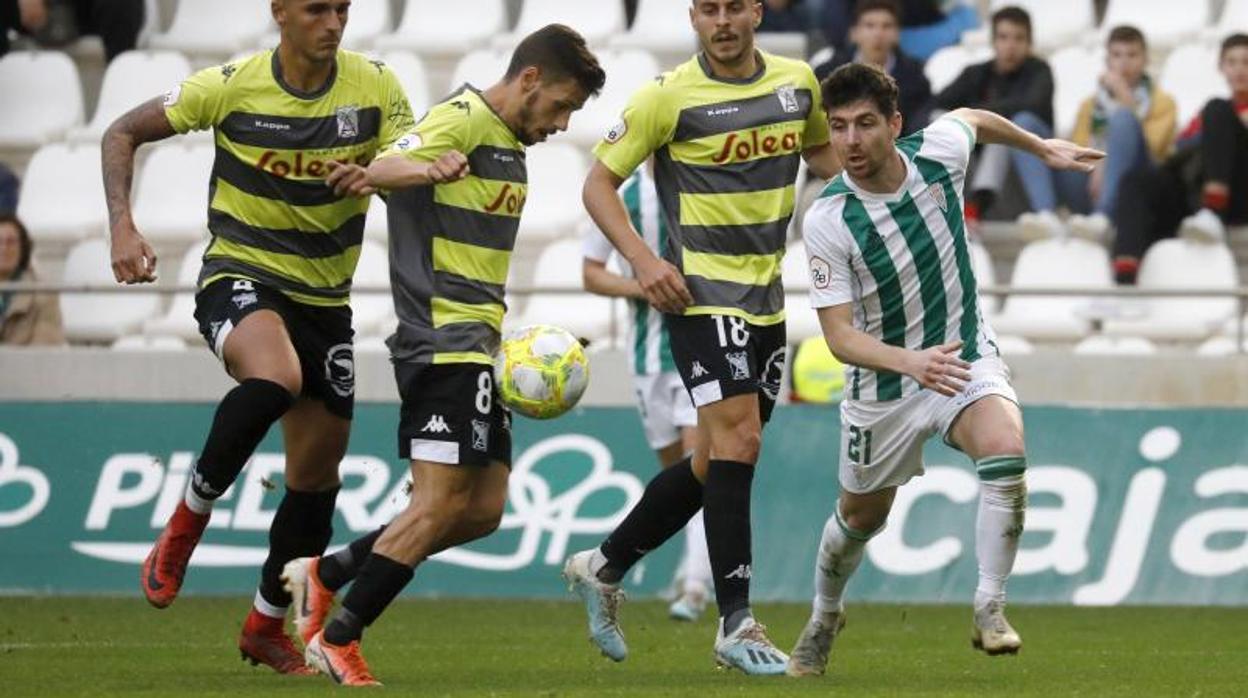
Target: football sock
(671,498)
(301,527)
(999,522)
(243,417)
(697,562)
(335,571)
(840,552)
(726,509)
(380,580)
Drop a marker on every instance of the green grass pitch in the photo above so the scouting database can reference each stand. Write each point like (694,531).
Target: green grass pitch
(104,646)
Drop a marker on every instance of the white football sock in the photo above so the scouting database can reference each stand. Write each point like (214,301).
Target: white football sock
(696,565)
(840,552)
(999,525)
(266,608)
(196,503)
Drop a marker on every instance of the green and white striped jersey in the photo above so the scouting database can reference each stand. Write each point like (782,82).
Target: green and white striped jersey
(647,334)
(901,258)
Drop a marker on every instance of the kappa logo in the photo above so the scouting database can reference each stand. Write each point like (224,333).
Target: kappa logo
(742,572)
(787,94)
(348,121)
(242,300)
(740,363)
(243,285)
(698,371)
(227,72)
(480,435)
(436,425)
(937,193)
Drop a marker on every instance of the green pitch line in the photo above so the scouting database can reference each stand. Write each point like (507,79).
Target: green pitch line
(104,646)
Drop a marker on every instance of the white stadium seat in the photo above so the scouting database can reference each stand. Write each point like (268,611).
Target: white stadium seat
(100,317)
(410,71)
(62,195)
(171,201)
(132,78)
(947,63)
(438,28)
(1220,346)
(583,314)
(1180,263)
(1167,24)
(596,21)
(42,98)
(626,72)
(1070,262)
(138,342)
(1054,23)
(1191,76)
(215,28)
(368,20)
(480,68)
(661,26)
(1076,71)
(1234,18)
(375,226)
(556,172)
(985,275)
(179,320)
(368,310)
(1103,345)
(1013,345)
(801,321)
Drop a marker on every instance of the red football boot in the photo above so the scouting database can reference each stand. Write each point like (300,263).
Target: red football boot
(165,565)
(264,641)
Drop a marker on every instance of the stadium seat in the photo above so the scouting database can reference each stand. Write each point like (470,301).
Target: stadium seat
(480,68)
(794,271)
(217,29)
(171,201)
(1013,345)
(369,309)
(62,195)
(626,71)
(556,173)
(373,344)
(132,78)
(100,317)
(138,342)
(1191,76)
(1055,23)
(410,71)
(1166,24)
(369,20)
(1234,18)
(985,275)
(1070,262)
(596,21)
(661,26)
(1103,345)
(801,321)
(375,226)
(42,98)
(1180,263)
(436,28)
(1076,71)
(947,63)
(582,314)
(179,320)
(1220,346)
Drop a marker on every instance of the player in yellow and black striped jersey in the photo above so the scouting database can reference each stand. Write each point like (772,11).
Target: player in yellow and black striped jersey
(457,185)
(294,128)
(727,129)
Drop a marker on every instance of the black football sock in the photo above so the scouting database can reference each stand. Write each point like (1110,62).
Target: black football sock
(334,571)
(726,512)
(301,527)
(378,583)
(243,417)
(670,500)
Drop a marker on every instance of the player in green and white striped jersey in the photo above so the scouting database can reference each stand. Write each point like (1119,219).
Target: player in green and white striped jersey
(668,416)
(892,282)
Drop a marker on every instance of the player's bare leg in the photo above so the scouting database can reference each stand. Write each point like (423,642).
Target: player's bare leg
(259,355)
(990,431)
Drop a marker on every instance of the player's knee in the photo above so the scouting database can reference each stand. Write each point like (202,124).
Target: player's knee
(486,518)
(863,519)
(740,443)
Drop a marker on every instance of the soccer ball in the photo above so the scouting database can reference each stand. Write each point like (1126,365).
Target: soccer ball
(541,371)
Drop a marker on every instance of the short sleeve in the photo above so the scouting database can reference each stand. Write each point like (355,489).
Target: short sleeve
(828,254)
(444,128)
(949,141)
(816,129)
(595,245)
(398,120)
(198,103)
(644,127)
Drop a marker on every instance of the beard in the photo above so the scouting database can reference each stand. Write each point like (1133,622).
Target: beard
(524,130)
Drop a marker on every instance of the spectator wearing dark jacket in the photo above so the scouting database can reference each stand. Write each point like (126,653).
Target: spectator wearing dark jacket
(875,35)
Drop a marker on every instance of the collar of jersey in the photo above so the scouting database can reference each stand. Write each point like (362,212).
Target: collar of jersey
(469,87)
(276,64)
(887,198)
(705,65)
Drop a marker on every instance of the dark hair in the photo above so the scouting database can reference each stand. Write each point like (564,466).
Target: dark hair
(893,7)
(23,236)
(854,82)
(1126,34)
(1230,42)
(1013,15)
(560,53)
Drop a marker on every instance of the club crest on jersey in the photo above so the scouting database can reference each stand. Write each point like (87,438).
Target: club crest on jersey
(937,193)
(616,132)
(787,94)
(348,121)
(740,363)
(480,435)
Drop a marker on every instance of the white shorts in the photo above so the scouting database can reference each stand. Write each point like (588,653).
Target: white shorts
(882,442)
(665,407)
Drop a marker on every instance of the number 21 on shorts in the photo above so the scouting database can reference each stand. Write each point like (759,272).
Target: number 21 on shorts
(859,449)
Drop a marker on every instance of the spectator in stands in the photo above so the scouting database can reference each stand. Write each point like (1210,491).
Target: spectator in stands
(875,36)
(785,16)
(1129,118)
(25,318)
(9,188)
(1206,180)
(927,26)
(1014,84)
(59,22)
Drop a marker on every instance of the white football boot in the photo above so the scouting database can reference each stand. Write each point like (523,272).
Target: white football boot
(810,654)
(749,649)
(992,633)
(602,605)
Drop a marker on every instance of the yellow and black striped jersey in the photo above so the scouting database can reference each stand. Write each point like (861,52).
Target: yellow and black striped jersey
(451,244)
(272,218)
(727,153)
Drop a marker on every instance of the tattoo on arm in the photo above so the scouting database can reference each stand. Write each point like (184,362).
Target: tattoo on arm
(143,124)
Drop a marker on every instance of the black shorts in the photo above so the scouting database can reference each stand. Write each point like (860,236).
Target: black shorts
(451,414)
(720,356)
(321,335)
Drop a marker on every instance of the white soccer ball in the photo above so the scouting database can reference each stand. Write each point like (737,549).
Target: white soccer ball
(541,371)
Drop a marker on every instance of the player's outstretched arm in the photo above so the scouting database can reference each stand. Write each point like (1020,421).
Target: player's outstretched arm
(935,368)
(600,280)
(822,162)
(1055,152)
(660,281)
(133,259)
(397,172)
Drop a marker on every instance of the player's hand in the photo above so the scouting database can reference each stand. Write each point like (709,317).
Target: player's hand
(940,369)
(134,261)
(349,179)
(1064,155)
(663,286)
(450,166)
